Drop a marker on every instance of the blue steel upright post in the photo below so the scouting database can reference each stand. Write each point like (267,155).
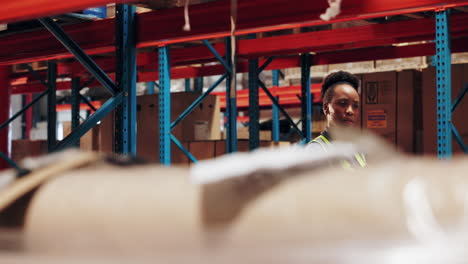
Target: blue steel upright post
(164,106)
(187,85)
(254,125)
(198,84)
(75,105)
(231,102)
(150,88)
(275,126)
(306,103)
(444,85)
(51,105)
(125,118)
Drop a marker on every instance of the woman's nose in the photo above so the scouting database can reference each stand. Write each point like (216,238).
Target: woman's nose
(349,110)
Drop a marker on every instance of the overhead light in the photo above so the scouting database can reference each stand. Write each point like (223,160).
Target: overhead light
(409,43)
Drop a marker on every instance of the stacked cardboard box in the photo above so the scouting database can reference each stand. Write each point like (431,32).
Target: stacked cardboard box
(23,148)
(202,124)
(429,95)
(210,149)
(390,107)
(243,133)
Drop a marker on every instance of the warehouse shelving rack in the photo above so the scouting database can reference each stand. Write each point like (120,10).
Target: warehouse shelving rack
(159,29)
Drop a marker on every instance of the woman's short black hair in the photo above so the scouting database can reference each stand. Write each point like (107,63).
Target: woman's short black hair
(335,78)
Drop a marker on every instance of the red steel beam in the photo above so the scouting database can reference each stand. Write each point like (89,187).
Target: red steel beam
(329,40)
(16,10)
(267,15)
(389,33)
(34,87)
(382,53)
(320,41)
(208,20)
(364,54)
(94,37)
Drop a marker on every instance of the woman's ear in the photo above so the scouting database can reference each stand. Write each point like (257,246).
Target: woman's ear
(326,111)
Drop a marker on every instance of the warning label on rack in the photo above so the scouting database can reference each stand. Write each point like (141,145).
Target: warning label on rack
(376,119)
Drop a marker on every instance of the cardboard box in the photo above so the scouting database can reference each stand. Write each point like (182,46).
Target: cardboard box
(273,144)
(401,64)
(243,146)
(353,67)
(202,124)
(390,107)
(203,150)
(429,96)
(409,111)
(243,133)
(23,148)
(178,157)
(379,104)
(220,147)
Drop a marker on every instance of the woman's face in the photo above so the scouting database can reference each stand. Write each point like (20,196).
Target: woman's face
(343,109)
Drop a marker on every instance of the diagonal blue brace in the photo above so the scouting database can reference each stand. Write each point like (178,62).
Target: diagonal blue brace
(444,86)
(86,101)
(24,109)
(88,82)
(80,55)
(265,64)
(459,97)
(156,84)
(9,161)
(459,139)
(37,76)
(89,123)
(281,109)
(454,130)
(197,102)
(184,150)
(216,54)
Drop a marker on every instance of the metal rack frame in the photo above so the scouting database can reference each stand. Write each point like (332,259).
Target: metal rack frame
(288,16)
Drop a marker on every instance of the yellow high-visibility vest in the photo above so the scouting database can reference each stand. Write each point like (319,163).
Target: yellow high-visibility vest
(360,157)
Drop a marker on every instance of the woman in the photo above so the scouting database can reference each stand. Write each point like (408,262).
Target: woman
(341,103)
